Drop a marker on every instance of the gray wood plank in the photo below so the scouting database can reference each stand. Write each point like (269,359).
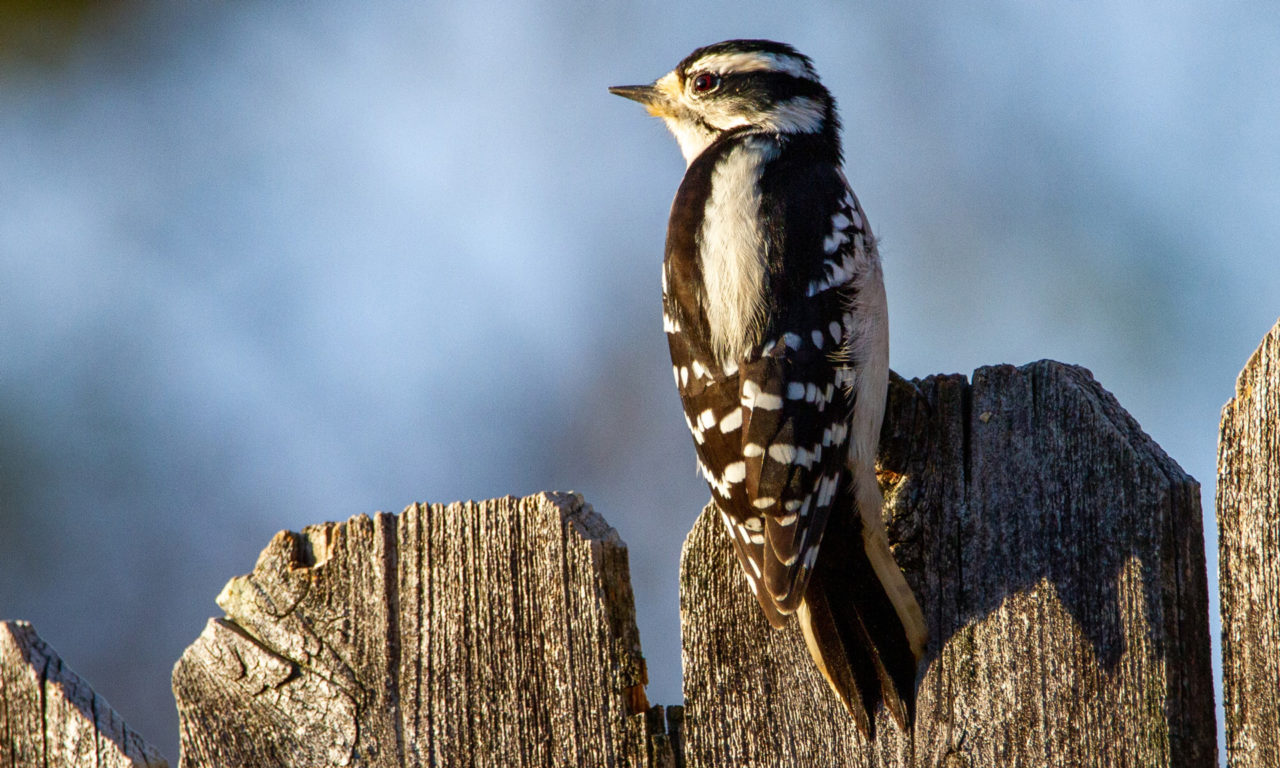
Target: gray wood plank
(499,633)
(1059,559)
(1249,560)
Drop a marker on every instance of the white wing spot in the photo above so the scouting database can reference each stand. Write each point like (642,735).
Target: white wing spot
(753,398)
(817,339)
(783,453)
(735,472)
(791,340)
(768,402)
(694,430)
(684,376)
(795,390)
(804,458)
(719,486)
(706,419)
(816,287)
(834,328)
(826,491)
(752,450)
(831,243)
(763,502)
(732,421)
(755,524)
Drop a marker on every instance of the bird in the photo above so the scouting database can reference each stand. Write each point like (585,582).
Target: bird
(774,310)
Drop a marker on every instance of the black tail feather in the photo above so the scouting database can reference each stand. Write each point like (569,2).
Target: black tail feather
(865,652)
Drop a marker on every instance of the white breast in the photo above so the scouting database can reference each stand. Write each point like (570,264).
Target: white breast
(732,248)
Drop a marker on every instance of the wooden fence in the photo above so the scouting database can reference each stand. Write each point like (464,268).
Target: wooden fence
(1057,551)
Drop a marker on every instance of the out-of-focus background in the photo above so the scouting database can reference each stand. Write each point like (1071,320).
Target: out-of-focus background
(269,264)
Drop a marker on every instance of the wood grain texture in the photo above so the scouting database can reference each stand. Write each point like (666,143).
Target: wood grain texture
(1249,560)
(1058,555)
(499,633)
(51,717)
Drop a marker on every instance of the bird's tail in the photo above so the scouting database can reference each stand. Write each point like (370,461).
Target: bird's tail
(860,620)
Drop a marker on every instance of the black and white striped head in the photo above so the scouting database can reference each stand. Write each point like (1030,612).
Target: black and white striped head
(758,83)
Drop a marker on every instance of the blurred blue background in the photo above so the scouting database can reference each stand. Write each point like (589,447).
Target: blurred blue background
(264,265)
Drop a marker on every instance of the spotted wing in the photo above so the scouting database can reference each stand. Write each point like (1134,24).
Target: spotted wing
(795,428)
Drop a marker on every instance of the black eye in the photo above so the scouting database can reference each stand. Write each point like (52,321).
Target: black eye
(705,82)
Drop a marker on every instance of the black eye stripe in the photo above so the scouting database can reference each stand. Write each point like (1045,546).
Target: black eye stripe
(772,86)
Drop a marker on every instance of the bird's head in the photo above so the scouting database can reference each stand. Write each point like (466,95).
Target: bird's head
(758,83)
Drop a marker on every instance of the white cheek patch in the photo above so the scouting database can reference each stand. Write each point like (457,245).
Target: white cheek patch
(798,115)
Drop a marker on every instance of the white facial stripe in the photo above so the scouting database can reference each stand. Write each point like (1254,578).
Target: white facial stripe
(754,61)
(798,115)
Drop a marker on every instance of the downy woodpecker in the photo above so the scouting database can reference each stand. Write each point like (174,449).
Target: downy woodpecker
(774,309)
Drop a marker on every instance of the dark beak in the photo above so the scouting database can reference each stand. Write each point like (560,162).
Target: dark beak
(645,94)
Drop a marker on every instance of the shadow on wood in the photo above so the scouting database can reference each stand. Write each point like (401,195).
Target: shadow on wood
(1059,559)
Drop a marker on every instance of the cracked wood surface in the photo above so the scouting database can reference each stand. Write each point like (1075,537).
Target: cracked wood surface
(1249,560)
(1058,556)
(51,717)
(499,633)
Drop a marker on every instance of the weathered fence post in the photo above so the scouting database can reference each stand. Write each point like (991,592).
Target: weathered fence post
(1059,558)
(1249,560)
(493,634)
(50,717)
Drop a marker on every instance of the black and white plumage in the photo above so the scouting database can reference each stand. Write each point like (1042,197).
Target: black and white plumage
(774,309)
